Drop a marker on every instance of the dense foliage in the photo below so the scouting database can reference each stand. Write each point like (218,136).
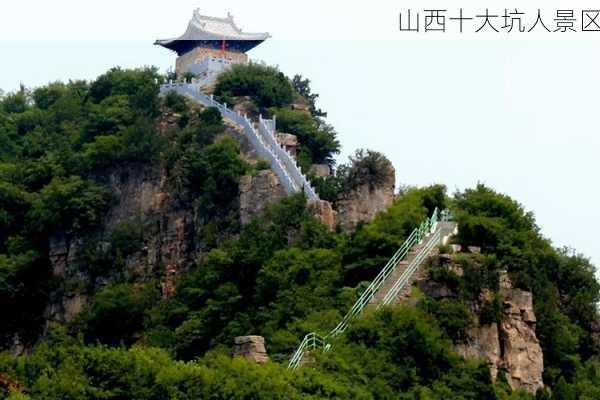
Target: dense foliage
(273,93)
(398,354)
(61,142)
(317,139)
(302,86)
(566,292)
(267,86)
(365,167)
(55,144)
(280,276)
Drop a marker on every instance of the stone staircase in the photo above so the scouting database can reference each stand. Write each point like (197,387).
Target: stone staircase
(429,243)
(261,135)
(395,275)
(393,282)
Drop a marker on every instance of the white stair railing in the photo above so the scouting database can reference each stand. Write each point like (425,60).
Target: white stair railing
(263,139)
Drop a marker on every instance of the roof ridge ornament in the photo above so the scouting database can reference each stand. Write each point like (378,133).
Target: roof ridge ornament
(197,18)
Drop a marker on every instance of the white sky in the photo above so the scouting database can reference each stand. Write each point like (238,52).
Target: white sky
(519,115)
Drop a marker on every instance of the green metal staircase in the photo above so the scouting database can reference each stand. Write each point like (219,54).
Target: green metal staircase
(395,276)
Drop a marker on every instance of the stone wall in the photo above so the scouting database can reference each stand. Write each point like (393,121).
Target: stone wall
(200,53)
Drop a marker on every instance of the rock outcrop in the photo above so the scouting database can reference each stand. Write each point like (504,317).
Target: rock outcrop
(246,106)
(484,344)
(170,226)
(362,203)
(251,348)
(523,360)
(289,142)
(257,192)
(509,346)
(320,170)
(167,245)
(324,212)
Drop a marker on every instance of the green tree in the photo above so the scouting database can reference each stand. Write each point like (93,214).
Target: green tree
(302,86)
(140,86)
(123,303)
(366,167)
(16,102)
(318,141)
(71,204)
(266,85)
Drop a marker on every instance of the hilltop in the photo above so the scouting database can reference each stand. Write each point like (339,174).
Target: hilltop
(141,234)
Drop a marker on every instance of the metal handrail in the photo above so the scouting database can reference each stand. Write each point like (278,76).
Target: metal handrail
(294,180)
(313,341)
(410,270)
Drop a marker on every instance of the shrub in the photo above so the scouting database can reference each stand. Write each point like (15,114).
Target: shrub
(16,102)
(266,85)
(404,350)
(491,311)
(175,102)
(103,152)
(302,87)
(71,204)
(327,187)
(141,87)
(123,303)
(365,167)
(46,96)
(262,164)
(318,141)
(454,318)
(127,237)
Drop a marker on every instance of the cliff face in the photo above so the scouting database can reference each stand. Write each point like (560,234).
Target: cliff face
(167,242)
(523,360)
(257,192)
(168,231)
(363,202)
(510,346)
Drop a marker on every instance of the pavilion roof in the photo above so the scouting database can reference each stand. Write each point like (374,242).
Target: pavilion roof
(202,28)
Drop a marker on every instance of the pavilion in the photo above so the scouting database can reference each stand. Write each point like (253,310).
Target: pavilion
(210,45)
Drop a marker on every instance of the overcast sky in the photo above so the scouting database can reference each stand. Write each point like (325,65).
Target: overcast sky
(520,115)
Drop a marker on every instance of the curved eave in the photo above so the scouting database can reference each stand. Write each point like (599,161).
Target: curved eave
(183,46)
(196,35)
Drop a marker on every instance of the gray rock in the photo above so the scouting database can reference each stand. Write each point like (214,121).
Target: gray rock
(251,348)
(364,202)
(510,346)
(321,170)
(257,192)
